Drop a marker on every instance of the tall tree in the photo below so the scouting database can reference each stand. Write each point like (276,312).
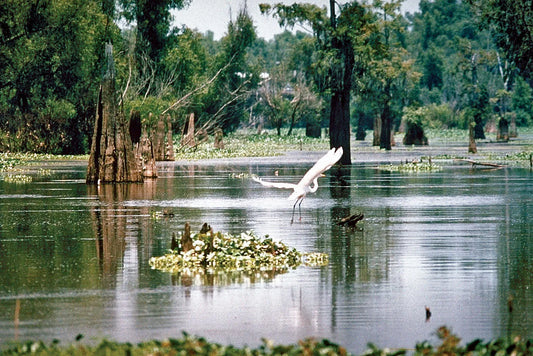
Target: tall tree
(341,86)
(153,23)
(335,38)
(227,97)
(390,72)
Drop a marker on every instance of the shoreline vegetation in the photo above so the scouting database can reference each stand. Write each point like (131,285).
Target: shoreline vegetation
(450,344)
(444,145)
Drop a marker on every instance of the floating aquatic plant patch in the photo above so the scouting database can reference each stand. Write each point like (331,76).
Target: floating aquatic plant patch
(411,167)
(211,252)
(18,178)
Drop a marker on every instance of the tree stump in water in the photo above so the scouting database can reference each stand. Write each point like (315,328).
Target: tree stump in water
(415,135)
(502,133)
(146,155)
(376,140)
(142,146)
(472,141)
(158,139)
(512,126)
(112,159)
(162,139)
(186,240)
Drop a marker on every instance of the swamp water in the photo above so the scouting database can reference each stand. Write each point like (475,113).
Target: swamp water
(74,258)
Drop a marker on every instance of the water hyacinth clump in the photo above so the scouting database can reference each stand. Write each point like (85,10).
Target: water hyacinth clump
(412,167)
(214,252)
(18,178)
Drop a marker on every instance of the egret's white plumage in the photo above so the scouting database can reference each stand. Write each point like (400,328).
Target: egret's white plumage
(311,177)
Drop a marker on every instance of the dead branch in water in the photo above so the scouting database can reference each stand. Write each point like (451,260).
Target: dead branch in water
(351,220)
(475,163)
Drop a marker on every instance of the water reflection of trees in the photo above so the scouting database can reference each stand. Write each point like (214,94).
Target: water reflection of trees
(118,228)
(515,252)
(122,229)
(206,184)
(357,254)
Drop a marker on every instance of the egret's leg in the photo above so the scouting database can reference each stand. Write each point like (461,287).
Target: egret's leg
(300,208)
(294,208)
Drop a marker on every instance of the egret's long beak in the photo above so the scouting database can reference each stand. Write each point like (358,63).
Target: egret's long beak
(322,175)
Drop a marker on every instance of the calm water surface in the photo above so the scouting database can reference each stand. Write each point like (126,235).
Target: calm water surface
(74,258)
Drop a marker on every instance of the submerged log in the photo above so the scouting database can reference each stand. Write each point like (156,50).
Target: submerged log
(112,159)
(351,220)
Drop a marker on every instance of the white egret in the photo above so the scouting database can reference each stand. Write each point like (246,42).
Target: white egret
(311,177)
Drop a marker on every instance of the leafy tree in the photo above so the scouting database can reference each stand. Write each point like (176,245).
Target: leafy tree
(152,18)
(461,65)
(389,75)
(432,64)
(185,60)
(521,99)
(288,99)
(510,21)
(225,103)
(49,64)
(336,38)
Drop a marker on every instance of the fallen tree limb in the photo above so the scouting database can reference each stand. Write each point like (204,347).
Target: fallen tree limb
(475,163)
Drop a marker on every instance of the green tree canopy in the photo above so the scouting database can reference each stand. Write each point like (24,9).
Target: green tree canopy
(152,18)
(49,59)
(511,21)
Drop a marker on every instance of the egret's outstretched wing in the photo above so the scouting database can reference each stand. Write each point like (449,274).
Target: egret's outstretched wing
(322,165)
(274,184)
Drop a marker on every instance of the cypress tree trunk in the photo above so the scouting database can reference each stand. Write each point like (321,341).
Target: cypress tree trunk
(339,120)
(112,159)
(472,148)
(386,121)
(339,124)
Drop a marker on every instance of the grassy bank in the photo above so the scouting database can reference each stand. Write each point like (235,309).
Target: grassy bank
(449,345)
(268,144)
(246,144)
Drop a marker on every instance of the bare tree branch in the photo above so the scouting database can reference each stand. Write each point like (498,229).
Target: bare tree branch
(192,92)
